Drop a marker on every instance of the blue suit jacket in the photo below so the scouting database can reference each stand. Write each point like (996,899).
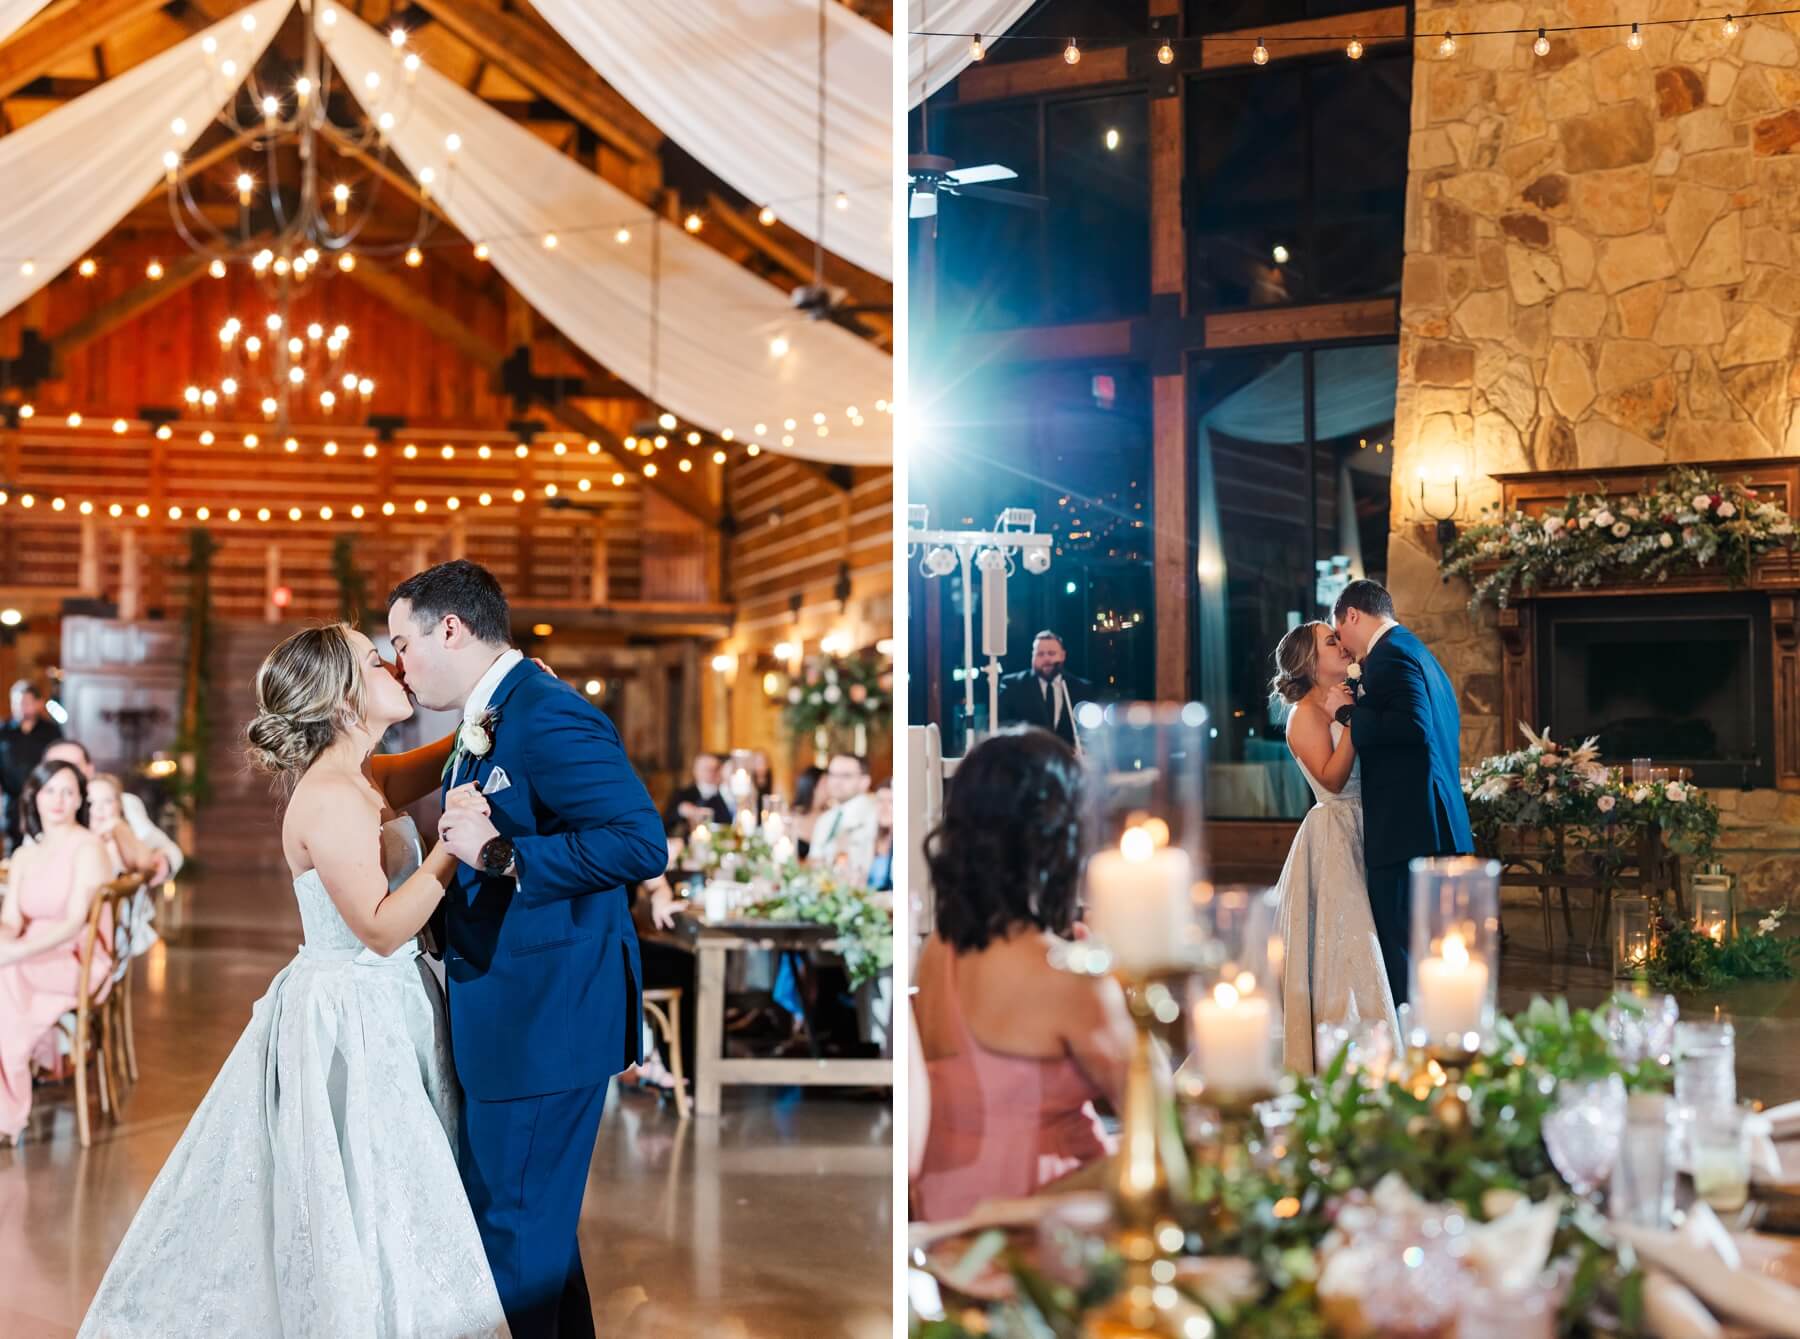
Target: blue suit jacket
(543,977)
(1408,736)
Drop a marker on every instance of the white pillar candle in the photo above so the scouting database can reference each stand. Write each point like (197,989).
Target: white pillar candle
(746,822)
(782,849)
(1139,901)
(1232,1042)
(1452,991)
(718,901)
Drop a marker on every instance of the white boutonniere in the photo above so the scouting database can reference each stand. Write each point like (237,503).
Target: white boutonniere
(1354,673)
(474,740)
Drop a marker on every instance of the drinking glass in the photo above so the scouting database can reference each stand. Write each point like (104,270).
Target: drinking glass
(1705,1067)
(1640,771)
(1719,1143)
(1492,1312)
(1643,1182)
(1659,774)
(1584,1130)
(1639,1029)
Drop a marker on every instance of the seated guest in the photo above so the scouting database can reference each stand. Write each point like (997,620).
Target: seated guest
(881,870)
(125,854)
(51,884)
(137,817)
(809,803)
(665,963)
(700,801)
(1012,1088)
(1043,695)
(844,835)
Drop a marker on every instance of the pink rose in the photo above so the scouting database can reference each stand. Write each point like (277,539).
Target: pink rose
(858,693)
(1605,804)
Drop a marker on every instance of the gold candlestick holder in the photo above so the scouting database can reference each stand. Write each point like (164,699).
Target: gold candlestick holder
(1219,1126)
(1440,1069)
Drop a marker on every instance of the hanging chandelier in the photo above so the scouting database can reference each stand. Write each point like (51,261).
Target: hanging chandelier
(272,365)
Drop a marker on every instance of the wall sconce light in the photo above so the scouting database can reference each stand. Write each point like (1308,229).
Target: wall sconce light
(1433,486)
(725,664)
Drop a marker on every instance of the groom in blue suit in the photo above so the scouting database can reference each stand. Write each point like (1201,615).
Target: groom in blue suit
(1408,737)
(540,956)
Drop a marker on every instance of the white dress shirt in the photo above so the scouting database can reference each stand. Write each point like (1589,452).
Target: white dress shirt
(137,818)
(485,687)
(1385,629)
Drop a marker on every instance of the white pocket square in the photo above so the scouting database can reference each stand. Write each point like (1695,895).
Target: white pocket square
(496,782)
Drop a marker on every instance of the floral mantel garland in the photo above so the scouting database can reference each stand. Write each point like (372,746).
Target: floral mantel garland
(1690,520)
(1548,784)
(841,692)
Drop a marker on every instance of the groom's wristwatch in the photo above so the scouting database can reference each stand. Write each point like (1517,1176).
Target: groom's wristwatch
(497,857)
(1344,713)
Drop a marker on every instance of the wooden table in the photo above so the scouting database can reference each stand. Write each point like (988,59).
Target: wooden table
(1541,859)
(712,941)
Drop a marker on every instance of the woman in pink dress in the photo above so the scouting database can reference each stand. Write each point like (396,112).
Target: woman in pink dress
(51,885)
(1016,1051)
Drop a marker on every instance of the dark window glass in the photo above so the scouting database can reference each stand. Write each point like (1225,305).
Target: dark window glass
(1223,16)
(1097,175)
(989,255)
(1048,27)
(1290,499)
(1072,443)
(1296,181)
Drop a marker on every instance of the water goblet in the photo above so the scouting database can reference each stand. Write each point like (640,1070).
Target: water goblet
(1584,1130)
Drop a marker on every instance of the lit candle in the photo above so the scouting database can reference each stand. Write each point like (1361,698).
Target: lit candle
(702,835)
(741,784)
(1716,932)
(1452,990)
(745,822)
(1139,901)
(782,849)
(1232,1041)
(718,901)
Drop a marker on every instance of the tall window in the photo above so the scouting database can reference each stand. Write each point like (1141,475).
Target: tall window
(1296,181)
(1291,468)
(1083,256)
(1070,442)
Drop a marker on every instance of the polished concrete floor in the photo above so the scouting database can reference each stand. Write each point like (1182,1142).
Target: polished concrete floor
(772,1221)
(1766,1015)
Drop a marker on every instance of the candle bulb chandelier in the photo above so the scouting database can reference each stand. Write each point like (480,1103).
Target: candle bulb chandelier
(273,366)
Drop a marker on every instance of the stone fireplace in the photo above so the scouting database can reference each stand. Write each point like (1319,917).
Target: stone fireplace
(1602,272)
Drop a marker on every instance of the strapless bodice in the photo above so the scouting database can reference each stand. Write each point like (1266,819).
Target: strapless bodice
(327,933)
(1352,791)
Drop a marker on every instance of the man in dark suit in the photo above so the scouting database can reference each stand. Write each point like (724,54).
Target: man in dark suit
(1043,695)
(700,801)
(23,740)
(544,976)
(1408,737)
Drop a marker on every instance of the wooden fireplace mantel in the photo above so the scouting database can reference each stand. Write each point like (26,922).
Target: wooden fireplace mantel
(1777,575)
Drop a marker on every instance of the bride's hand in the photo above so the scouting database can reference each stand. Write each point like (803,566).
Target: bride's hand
(467,796)
(1338,696)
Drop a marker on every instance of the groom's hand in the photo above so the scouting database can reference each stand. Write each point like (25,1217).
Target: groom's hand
(465,827)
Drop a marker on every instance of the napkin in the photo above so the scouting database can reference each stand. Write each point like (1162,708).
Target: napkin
(1703,1258)
(1672,1312)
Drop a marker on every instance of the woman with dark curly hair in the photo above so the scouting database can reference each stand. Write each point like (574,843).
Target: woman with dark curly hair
(1016,1050)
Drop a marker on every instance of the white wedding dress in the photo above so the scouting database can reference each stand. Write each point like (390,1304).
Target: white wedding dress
(315,1194)
(1332,969)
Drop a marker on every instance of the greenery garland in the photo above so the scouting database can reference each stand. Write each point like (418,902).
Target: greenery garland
(1683,961)
(353,586)
(1691,520)
(191,790)
(1350,1131)
(1547,784)
(839,693)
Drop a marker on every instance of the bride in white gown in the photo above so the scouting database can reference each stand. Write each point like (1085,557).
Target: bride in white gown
(315,1194)
(1331,964)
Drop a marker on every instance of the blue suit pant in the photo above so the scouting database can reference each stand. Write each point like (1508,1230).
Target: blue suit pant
(524,1165)
(1390,901)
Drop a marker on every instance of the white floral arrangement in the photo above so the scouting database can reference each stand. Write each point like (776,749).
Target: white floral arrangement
(1691,520)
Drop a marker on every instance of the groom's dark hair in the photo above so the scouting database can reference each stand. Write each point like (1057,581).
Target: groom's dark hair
(459,587)
(1370,597)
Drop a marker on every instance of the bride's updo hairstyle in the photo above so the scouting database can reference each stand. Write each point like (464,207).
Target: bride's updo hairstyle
(1296,664)
(308,692)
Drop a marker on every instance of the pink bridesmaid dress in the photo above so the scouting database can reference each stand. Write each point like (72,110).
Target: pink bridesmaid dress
(1001,1125)
(38,991)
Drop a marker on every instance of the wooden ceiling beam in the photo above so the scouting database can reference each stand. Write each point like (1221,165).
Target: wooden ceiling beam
(754,235)
(127,306)
(37,50)
(547,66)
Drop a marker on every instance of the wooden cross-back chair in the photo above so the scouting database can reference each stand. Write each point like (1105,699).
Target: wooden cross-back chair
(103,1011)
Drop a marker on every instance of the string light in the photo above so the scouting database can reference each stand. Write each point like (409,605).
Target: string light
(411,452)
(484,451)
(686,464)
(766,217)
(234,515)
(1447,47)
(1731,26)
(203,513)
(666,420)
(585,485)
(26,411)
(454,503)
(1072,53)
(976,50)
(618,480)
(207,438)
(57,504)
(842,201)
(650,470)
(115,511)
(88,268)
(1261,54)
(369,450)
(1165,54)
(778,347)
(518,495)
(153,270)
(262,513)
(388,509)
(1541,47)
(549,241)
(419,506)
(357,511)
(216,269)
(174,513)
(324,513)
(120,427)
(74,420)
(87,508)
(481,251)
(693,222)
(1636,40)
(414,257)
(622,236)
(1355,49)
(485,499)
(718,457)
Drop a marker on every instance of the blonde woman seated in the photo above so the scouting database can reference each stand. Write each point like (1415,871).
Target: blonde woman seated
(126,853)
(51,886)
(1016,1051)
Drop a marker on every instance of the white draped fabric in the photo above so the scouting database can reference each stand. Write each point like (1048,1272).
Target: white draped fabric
(716,368)
(736,84)
(72,175)
(932,62)
(15,13)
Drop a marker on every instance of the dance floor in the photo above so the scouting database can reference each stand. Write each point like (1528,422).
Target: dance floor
(773,1221)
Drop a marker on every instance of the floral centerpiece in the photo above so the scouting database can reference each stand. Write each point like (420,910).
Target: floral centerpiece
(777,887)
(1692,519)
(1359,1137)
(1548,784)
(846,695)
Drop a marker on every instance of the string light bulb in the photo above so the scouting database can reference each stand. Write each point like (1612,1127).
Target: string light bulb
(245,185)
(74,420)
(622,236)
(357,511)
(1072,53)
(216,269)
(153,270)
(234,515)
(693,222)
(1261,54)
(414,257)
(778,347)
(1165,54)
(549,241)
(26,411)
(1731,26)
(340,195)
(1636,40)
(976,50)
(88,268)
(1541,47)
(481,251)
(842,201)
(1355,49)
(1447,47)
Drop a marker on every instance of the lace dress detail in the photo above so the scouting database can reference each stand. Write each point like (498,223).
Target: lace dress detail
(315,1193)
(1332,969)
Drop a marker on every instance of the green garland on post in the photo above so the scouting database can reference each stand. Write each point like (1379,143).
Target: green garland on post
(353,586)
(191,789)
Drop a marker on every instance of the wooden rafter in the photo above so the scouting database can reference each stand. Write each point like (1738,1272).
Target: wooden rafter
(127,306)
(762,239)
(549,68)
(41,48)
